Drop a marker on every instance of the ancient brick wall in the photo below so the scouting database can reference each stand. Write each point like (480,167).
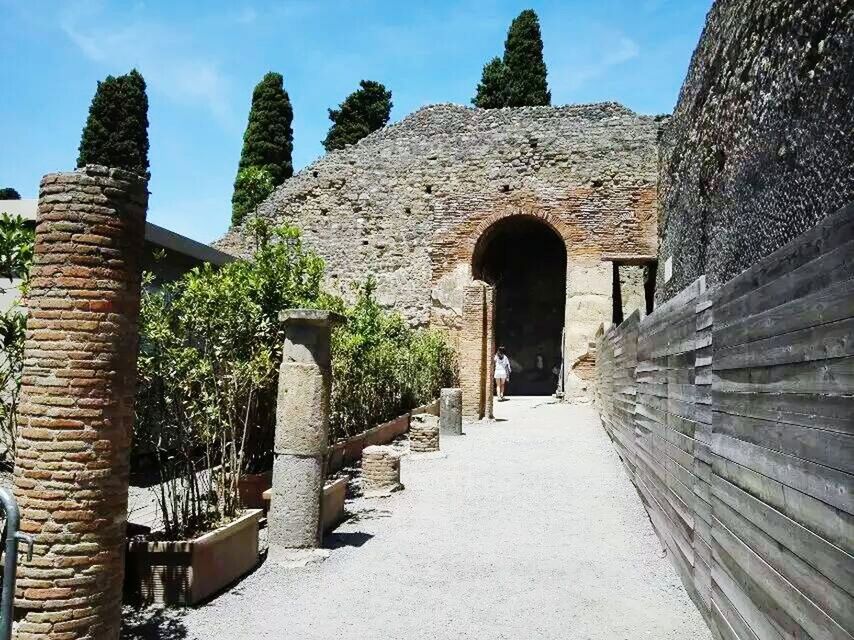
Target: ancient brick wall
(760,145)
(76,415)
(410,203)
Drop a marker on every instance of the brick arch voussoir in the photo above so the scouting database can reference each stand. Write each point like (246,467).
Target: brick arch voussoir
(484,227)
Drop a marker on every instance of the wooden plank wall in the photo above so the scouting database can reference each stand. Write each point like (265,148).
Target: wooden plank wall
(741,438)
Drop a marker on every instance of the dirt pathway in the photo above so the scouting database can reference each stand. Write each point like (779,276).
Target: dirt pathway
(529,528)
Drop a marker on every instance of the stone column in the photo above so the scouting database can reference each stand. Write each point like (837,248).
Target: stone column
(489,347)
(472,351)
(451,411)
(76,416)
(302,430)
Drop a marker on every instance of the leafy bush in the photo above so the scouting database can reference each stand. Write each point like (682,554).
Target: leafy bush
(251,188)
(381,368)
(16,255)
(210,345)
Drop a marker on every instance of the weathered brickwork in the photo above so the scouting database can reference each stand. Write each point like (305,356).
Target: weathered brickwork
(424,433)
(473,353)
(760,146)
(411,203)
(380,470)
(76,417)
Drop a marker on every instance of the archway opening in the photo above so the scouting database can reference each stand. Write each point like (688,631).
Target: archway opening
(525,260)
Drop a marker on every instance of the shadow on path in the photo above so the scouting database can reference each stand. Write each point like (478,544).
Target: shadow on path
(153,624)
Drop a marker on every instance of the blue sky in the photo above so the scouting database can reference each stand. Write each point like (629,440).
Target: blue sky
(202,59)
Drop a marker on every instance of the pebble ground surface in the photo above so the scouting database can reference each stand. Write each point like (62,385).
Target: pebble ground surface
(527,528)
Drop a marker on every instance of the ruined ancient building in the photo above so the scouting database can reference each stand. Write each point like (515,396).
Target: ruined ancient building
(537,201)
(581,214)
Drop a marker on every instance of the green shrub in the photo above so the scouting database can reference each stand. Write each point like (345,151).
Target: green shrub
(210,346)
(16,256)
(381,368)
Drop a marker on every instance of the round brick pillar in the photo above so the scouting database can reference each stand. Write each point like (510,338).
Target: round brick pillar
(424,433)
(76,415)
(380,470)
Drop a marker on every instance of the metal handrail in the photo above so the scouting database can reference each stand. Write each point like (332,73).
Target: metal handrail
(10,564)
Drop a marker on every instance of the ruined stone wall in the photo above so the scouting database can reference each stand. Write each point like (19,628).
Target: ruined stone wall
(760,145)
(410,202)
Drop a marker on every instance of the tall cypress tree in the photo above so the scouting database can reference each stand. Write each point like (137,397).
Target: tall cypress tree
(362,112)
(116,131)
(268,142)
(523,59)
(491,89)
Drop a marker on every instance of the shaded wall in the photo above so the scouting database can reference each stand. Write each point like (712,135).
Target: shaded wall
(760,145)
(733,410)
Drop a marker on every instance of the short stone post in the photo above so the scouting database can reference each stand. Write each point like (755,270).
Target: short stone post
(451,411)
(76,415)
(380,470)
(302,430)
(424,433)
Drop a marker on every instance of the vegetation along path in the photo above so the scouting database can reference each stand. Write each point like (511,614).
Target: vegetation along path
(527,528)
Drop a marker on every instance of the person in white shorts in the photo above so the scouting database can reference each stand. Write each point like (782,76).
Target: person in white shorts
(502,372)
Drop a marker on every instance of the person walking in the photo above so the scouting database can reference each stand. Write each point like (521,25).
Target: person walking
(502,372)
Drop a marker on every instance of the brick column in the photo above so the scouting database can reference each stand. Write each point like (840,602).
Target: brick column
(76,417)
(489,347)
(472,346)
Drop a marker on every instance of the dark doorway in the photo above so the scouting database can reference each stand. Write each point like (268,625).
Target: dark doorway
(526,262)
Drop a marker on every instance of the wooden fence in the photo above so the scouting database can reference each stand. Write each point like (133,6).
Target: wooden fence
(733,411)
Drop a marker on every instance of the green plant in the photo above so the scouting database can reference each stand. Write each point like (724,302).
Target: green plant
(251,188)
(519,79)
(9,193)
(381,367)
(116,130)
(362,112)
(16,256)
(268,144)
(210,345)
(523,59)
(491,88)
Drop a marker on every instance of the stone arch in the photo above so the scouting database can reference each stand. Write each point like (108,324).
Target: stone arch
(479,238)
(523,256)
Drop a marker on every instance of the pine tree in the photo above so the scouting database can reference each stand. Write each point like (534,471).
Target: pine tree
(490,89)
(8,193)
(523,59)
(116,131)
(364,111)
(269,139)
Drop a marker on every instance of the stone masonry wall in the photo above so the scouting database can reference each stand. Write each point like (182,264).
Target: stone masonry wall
(410,202)
(760,146)
(76,415)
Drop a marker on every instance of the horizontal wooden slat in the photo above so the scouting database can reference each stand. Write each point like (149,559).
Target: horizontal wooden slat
(828,305)
(828,448)
(833,340)
(830,412)
(826,484)
(826,377)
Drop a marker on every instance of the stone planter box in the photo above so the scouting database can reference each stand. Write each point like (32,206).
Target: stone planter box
(432,408)
(251,488)
(177,574)
(331,508)
(350,450)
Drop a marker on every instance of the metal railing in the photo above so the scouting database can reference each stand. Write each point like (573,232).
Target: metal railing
(11,537)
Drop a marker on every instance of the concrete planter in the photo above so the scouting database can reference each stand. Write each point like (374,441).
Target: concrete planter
(184,573)
(350,450)
(251,488)
(331,509)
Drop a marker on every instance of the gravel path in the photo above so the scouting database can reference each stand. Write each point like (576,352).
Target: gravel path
(529,528)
